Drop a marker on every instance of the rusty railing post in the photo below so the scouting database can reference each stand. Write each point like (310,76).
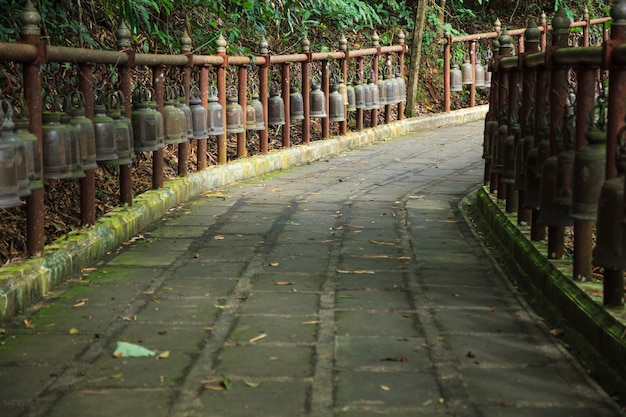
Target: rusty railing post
(221,95)
(544,33)
(263,92)
(527,117)
(505,50)
(123,36)
(306,91)
(586,27)
(158,165)
(401,55)
(446,71)
(613,282)
(359,112)
(35,210)
(343,47)
(201,145)
(88,183)
(558,98)
(242,92)
(472,86)
(183,148)
(285,91)
(325,89)
(376,44)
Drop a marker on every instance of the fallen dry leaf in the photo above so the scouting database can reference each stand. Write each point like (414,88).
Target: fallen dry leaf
(28,323)
(283,283)
(274,263)
(257,338)
(557,332)
(218,237)
(356,271)
(80,303)
(310,322)
(213,387)
(163,355)
(378,242)
(73,330)
(401,358)
(385,388)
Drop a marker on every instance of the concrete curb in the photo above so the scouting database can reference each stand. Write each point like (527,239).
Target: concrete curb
(22,284)
(551,281)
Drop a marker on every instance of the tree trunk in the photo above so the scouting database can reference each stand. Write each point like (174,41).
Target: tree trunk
(416,52)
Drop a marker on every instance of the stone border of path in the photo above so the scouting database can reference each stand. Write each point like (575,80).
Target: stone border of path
(23,283)
(596,334)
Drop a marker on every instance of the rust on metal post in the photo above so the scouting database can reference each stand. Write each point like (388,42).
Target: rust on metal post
(242,91)
(285,82)
(35,210)
(473,84)
(325,89)
(511,192)
(158,165)
(183,148)
(504,86)
(263,92)
(359,112)
(306,91)
(401,55)
(123,36)
(446,72)
(374,112)
(221,96)
(388,72)
(543,42)
(586,27)
(343,46)
(88,183)
(201,145)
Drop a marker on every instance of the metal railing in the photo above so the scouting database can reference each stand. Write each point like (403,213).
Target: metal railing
(34,54)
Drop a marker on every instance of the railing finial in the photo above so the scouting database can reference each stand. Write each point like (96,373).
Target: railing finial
(185,42)
(123,36)
(618,12)
(30,19)
(221,44)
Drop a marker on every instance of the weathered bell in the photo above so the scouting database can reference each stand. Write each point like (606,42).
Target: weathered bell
(343,90)
(375,93)
(390,88)
(368,96)
(401,86)
(534,165)
(296,104)
(491,128)
(174,122)
(215,121)
(123,138)
(160,124)
(382,92)
(250,116)
(188,121)
(21,164)
(455,78)
(33,153)
(609,249)
(488,57)
(336,108)
(8,174)
(275,108)
(198,117)
(589,171)
(351,98)
(86,133)
(521,157)
(550,213)
(498,149)
(480,73)
(467,76)
(565,179)
(318,102)
(234,116)
(144,123)
(104,128)
(359,95)
(56,146)
(258,108)
(508,170)
(74,145)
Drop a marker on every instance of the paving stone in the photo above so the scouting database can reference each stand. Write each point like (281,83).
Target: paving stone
(114,402)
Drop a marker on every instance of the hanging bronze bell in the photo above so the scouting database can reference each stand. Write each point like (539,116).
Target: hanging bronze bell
(215,121)
(488,57)
(123,136)
(455,78)
(343,90)
(104,128)
(480,73)
(317,102)
(565,179)
(296,104)
(275,108)
(336,108)
(159,123)
(250,116)
(351,98)
(56,147)
(33,154)
(521,157)
(375,94)
(589,171)
(368,96)
(20,158)
(144,121)
(198,116)
(550,212)
(8,173)
(359,95)
(609,249)
(401,86)
(86,133)
(188,120)
(498,149)
(234,116)
(508,170)
(534,164)
(382,92)
(467,71)
(390,88)
(174,122)
(258,108)
(74,145)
